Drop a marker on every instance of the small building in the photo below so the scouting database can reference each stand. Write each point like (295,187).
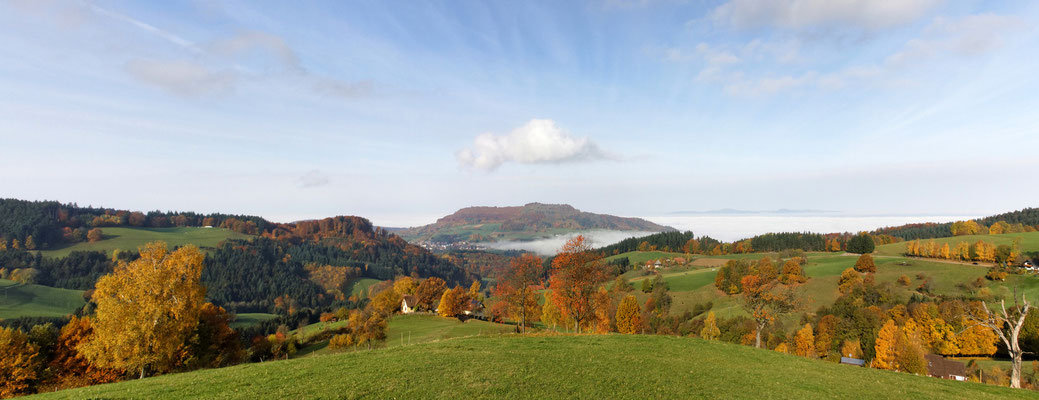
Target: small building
(853,361)
(407,305)
(941,367)
(475,309)
(1029,266)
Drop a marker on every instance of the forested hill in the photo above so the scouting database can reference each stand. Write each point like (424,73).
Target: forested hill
(521,222)
(305,264)
(1010,222)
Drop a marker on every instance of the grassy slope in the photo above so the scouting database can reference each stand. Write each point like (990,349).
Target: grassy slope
(359,287)
(613,366)
(413,329)
(692,286)
(249,319)
(17,300)
(132,238)
(1029,242)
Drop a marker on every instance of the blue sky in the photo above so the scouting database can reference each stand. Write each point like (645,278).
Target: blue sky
(403,112)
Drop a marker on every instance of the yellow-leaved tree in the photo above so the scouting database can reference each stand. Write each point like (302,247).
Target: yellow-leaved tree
(18,362)
(146,310)
(804,342)
(710,329)
(629,316)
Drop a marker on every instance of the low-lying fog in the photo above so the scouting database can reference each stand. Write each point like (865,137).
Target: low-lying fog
(551,246)
(732,227)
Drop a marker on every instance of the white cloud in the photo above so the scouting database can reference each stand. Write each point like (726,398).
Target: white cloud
(968,36)
(539,141)
(180,77)
(312,178)
(804,14)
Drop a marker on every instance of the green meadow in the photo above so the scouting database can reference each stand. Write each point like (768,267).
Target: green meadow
(548,366)
(20,300)
(1029,242)
(129,239)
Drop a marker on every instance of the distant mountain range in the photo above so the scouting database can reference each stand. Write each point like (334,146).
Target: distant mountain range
(528,222)
(730,211)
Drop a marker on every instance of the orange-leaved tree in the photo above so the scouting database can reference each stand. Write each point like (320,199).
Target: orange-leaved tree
(885,346)
(146,310)
(765,303)
(70,369)
(517,288)
(576,274)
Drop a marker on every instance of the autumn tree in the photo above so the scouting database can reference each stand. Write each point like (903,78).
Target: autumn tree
(69,368)
(825,334)
(146,309)
(19,362)
(94,235)
(214,343)
(804,342)
(710,329)
(884,350)
(851,348)
(848,281)
(429,292)
(865,264)
(576,274)
(453,302)
(517,288)
(367,327)
(629,316)
(1006,324)
(386,302)
(793,272)
(30,243)
(765,303)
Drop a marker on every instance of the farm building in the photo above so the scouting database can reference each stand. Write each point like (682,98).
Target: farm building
(940,367)
(407,305)
(858,362)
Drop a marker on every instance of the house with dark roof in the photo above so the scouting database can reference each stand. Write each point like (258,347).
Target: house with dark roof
(941,367)
(858,362)
(407,305)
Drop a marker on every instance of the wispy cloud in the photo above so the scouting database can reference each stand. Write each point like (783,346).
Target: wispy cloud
(180,77)
(539,141)
(806,14)
(312,179)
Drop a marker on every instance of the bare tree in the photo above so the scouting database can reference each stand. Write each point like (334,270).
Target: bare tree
(1007,325)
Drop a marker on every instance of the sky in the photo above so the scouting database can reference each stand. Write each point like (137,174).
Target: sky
(405,112)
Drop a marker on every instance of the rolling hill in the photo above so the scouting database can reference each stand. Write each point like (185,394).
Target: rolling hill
(531,221)
(19,300)
(129,239)
(554,366)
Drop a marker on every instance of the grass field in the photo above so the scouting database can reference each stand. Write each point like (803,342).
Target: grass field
(1029,242)
(513,366)
(131,238)
(18,300)
(410,329)
(359,287)
(245,320)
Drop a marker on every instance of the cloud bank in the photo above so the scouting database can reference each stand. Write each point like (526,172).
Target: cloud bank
(539,141)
